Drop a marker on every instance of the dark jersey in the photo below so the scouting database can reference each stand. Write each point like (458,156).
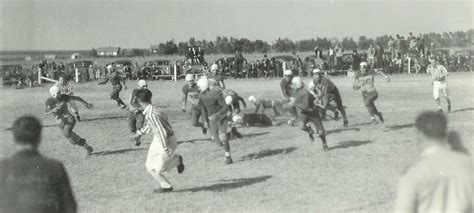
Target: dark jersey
(304,100)
(114,79)
(192,93)
(60,102)
(325,83)
(213,102)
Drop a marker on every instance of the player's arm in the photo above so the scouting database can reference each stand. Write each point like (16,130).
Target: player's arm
(356,84)
(382,74)
(122,79)
(77,98)
(223,106)
(185,100)
(106,79)
(49,109)
(239,98)
(221,84)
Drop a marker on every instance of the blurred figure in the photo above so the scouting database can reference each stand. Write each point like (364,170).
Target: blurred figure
(371,56)
(441,180)
(30,182)
(438,80)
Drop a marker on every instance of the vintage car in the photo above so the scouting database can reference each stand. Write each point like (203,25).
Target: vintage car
(119,65)
(158,69)
(10,74)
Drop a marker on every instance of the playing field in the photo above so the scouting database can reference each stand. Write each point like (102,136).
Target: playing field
(275,169)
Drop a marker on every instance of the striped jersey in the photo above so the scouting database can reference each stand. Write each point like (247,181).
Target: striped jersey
(157,122)
(65,88)
(438,72)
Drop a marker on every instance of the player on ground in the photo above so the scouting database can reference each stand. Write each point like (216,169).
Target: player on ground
(191,90)
(308,115)
(438,80)
(235,100)
(287,95)
(216,80)
(161,155)
(135,116)
(116,80)
(364,80)
(214,108)
(57,105)
(325,89)
(65,88)
(262,103)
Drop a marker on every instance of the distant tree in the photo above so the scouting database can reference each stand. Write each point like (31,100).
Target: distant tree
(349,43)
(363,43)
(168,48)
(93,52)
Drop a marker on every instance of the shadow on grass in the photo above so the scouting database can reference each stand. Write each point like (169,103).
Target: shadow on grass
(112,152)
(103,118)
(463,110)
(398,127)
(194,140)
(342,130)
(267,153)
(349,144)
(229,184)
(251,135)
(361,124)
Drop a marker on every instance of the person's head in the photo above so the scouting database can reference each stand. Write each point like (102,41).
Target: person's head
(228,100)
(27,131)
(203,84)
(297,82)
(144,97)
(431,127)
(54,91)
(61,79)
(288,75)
(318,74)
(190,79)
(265,56)
(432,60)
(109,68)
(252,99)
(354,52)
(142,84)
(364,67)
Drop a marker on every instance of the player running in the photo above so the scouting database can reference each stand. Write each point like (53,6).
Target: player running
(65,88)
(287,95)
(116,80)
(135,115)
(438,80)
(308,115)
(161,154)
(191,90)
(216,80)
(364,80)
(214,108)
(57,105)
(326,90)
(232,112)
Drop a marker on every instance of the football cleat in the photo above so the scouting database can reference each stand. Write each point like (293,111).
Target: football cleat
(181,165)
(228,160)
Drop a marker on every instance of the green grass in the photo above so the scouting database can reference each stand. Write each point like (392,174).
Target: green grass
(276,169)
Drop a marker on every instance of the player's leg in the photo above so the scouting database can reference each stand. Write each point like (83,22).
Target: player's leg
(158,162)
(195,117)
(67,126)
(72,107)
(115,96)
(303,120)
(278,108)
(436,88)
(222,135)
(340,106)
(316,120)
(368,102)
(214,129)
(446,94)
(132,122)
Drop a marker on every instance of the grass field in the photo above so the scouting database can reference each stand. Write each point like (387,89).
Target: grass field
(275,169)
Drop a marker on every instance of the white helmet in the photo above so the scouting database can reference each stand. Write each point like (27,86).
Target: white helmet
(54,91)
(189,77)
(363,64)
(297,82)
(109,67)
(142,83)
(228,100)
(237,119)
(317,71)
(203,84)
(214,67)
(252,98)
(288,72)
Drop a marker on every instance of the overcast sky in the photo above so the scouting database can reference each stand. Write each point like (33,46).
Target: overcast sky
(71,24)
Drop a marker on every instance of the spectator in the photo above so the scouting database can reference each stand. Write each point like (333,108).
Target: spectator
(331,56)
(30,182)
(371,56)
(239,60)
(441,180)
(397,45)
(356,60)
(379,53)
(339,54)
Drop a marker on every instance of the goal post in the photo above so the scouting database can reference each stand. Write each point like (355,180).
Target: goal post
(41,78)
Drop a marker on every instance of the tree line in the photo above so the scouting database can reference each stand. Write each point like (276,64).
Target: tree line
(228,45)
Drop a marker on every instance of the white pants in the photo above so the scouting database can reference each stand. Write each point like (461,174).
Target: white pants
(158,162)
(440,85)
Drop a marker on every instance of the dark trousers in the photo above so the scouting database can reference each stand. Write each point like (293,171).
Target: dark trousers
(339,63)
(195,117)
(114,95)
(66,125)
(135,121)
(337,99)
(218,129)
(311,117)
(369,101)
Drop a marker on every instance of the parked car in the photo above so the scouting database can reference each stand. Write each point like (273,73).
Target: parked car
(158,69)
(10,74)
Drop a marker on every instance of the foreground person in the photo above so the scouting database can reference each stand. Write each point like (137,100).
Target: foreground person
(30,182)
(161,154)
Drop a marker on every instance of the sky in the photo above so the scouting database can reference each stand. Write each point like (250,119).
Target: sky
(81,25)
